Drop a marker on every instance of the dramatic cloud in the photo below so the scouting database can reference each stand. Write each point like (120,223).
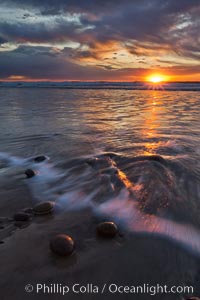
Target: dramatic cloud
(98,38)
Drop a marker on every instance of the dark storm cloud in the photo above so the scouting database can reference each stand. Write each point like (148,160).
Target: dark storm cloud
(34,51)
(142,27)
(39,32)
(159,24)
(33,63)
(112,20)
(55,7)
(170,6)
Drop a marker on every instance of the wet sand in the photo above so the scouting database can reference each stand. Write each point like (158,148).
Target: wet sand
(128,259)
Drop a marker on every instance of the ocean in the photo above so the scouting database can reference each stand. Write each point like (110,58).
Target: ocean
(127,155)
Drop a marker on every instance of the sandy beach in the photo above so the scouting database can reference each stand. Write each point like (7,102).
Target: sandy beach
(126,260)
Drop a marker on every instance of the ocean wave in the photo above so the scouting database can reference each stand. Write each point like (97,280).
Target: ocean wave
(165,86)
(145,194)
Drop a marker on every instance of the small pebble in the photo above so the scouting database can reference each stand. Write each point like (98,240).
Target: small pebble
(1,242)
(44,208)
(40,158)
(30,173)
(62,245)
(21,217)
(107,229)
(2,227)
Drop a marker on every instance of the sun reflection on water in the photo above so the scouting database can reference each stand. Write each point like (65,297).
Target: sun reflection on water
(152,123)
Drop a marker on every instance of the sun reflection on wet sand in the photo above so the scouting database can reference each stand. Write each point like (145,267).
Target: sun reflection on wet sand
(125,211)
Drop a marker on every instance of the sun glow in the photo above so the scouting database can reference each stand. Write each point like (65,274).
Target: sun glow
(156,78)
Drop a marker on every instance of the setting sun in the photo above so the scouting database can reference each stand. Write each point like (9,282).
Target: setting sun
(156,78)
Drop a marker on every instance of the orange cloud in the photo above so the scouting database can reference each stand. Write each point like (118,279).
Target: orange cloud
(17,78)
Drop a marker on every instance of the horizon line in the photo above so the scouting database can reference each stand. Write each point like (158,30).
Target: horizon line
(93,81)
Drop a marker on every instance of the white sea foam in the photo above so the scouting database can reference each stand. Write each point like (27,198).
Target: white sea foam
(121,208)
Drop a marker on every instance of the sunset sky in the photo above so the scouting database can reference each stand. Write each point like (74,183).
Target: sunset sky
(99,40)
